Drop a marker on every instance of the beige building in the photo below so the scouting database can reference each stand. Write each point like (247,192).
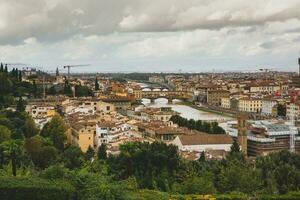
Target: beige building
(214,97)
(82,135)
(247,104)
(225,102)
(293,109)
(89,106)
(269,88)
(137,92)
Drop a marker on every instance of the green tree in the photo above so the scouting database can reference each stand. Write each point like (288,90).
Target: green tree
(73,157)
(30,128)
(82,91)
(238,177)
(6,69)
(20,105)
(197,185)
(41,154)
(5,133)
(212,128)
(153,165)
(67,89)
(12,149)
(20,76)
(202,157)
(101,154)
(1,68)
(34,89)
(55,131)
(5,84)
(96,84)
(235,147)
(89,153)
(281,110)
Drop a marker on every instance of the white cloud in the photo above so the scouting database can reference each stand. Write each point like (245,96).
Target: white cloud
(141,31)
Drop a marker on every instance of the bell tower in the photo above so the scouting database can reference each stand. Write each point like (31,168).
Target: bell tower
(242,132)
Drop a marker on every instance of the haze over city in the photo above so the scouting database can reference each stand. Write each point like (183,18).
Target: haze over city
(151,36)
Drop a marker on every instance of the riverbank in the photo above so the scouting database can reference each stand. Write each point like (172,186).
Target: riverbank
(205,109)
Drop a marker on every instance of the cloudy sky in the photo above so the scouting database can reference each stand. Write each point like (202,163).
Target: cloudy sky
(151,35)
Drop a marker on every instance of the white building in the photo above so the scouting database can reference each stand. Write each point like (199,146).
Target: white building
(203,142)
(107,132)
(89,107)
(225,102)
(291,109)
(267,106)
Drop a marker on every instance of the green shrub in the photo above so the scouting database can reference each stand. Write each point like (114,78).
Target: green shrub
(289,196)
(17,188)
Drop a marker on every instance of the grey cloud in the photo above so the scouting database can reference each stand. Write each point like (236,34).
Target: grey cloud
(67,18)
(268,45)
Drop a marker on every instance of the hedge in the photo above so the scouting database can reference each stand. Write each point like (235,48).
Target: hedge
(289,196)
(19,188)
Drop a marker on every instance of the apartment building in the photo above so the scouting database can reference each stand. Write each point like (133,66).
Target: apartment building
(214,97)
(248,104)
(82,135)
(225,102)
(263,87)
(41,113)
(269,107)
(293,111)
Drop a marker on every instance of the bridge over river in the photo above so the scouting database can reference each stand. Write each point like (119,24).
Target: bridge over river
(170,95)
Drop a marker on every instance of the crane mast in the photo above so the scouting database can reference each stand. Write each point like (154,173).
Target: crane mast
(71,66)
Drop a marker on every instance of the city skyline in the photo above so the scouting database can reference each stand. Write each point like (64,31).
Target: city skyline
(156,36)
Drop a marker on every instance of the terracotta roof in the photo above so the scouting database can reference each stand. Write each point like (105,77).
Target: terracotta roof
(198,139)
(169,130)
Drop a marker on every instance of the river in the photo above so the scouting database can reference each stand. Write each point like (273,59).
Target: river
(185,111)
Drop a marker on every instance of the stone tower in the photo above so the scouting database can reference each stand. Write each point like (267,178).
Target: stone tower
(242,132)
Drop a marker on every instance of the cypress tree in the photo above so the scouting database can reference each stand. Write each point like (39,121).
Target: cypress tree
(5,70)
(1,68)
(57,72)
(20,105)
(235,148)
(102,152)
(202,157)
(89,153)
(20,76)
(16,75)
(96,84)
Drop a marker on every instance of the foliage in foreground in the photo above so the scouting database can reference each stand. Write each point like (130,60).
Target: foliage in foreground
(19,188)
(140,171)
